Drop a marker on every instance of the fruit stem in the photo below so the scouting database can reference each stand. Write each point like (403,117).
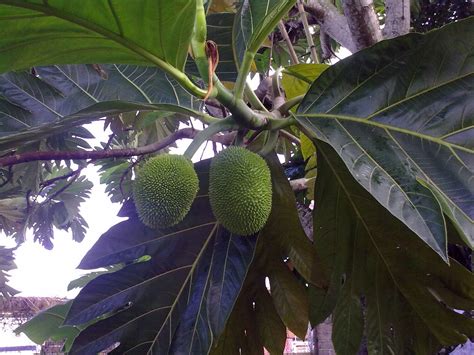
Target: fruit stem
(271,142)
(226,124)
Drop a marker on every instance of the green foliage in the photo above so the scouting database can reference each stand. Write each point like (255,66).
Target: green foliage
(240,190)
(388,131)
(164,189)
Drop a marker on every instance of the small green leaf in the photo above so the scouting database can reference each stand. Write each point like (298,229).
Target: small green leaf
(296,79)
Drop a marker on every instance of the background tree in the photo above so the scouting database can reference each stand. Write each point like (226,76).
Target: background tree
(386,134)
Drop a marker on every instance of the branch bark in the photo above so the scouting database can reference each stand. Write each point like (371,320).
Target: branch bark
(332,22)
(363,22)
(112,153)
(309,37)
(291,49)
(397,22)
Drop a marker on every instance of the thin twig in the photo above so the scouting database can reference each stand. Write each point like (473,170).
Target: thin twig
(285,108)
(65,176)
(64,188)
(124,175)
(284,34)
(109,142)
(290,137)
(309,37)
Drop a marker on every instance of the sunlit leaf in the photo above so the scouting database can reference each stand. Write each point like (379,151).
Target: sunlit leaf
(140,32)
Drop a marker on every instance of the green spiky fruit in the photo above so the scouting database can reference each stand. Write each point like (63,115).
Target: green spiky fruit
(164,189)
(240,190)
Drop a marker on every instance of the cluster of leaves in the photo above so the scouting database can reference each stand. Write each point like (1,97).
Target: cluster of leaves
(386,135)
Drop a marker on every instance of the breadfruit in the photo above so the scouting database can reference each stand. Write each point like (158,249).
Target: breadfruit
(240,190)
(164,189)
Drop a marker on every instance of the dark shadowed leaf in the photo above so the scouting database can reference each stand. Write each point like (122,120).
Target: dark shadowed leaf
(141,32)
(348,322)
(270,327)
(405,285)
(290,298)
(404,111)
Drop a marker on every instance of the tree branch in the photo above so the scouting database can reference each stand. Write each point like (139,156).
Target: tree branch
(332,22)
(363,22)
(112,153)
(291,49)
(299,184)
(62,177)
(397,22)
(309,37)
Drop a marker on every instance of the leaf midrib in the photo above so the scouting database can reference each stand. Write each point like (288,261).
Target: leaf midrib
(365,121)
(394,183)
(178,295)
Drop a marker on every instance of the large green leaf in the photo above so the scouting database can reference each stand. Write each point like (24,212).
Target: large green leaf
(56,98)
(409,292)
(138,32)
(402,111)
(255,20)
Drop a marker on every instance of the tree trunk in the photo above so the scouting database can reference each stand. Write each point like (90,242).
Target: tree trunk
(363,22)
(397,22)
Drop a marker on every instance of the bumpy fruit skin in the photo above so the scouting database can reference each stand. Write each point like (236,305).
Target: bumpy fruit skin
(240,190)
(164,190)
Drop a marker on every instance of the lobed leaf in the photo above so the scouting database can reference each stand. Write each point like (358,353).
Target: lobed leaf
(404,284)
(57,98)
